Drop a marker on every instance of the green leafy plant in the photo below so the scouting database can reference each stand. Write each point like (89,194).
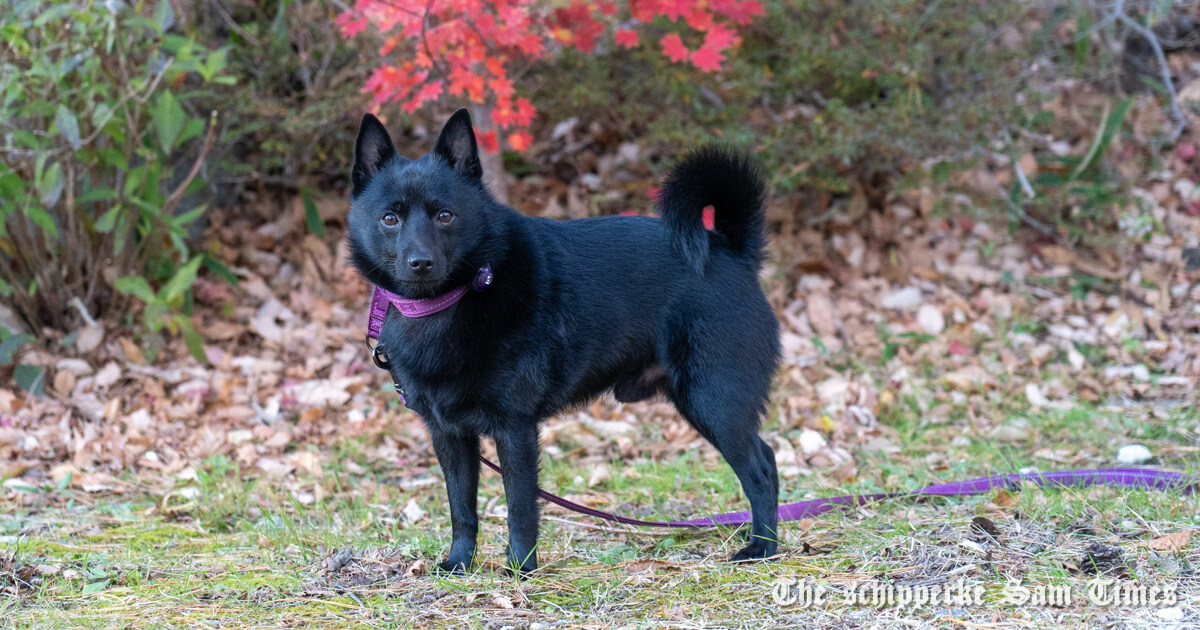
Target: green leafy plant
(102,151)
(31,378)
(1080,184)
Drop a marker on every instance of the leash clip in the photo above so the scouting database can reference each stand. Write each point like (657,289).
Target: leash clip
(378,358)
(381,361)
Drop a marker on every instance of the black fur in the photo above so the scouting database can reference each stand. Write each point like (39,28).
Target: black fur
(636,305)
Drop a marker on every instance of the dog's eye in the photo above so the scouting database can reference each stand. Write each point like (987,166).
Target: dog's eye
(445,216)
(390,219)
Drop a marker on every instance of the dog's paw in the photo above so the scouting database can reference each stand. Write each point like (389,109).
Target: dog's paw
(452,567)
(757,551)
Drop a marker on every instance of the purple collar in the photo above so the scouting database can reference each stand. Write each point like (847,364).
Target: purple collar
(381,297)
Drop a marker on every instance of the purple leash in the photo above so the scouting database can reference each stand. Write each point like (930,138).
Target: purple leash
(1144,478)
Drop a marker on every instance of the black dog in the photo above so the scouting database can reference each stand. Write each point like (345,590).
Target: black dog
(637,305)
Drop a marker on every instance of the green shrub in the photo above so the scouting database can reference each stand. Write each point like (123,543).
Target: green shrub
(102,147)
(299,96)
(826,90)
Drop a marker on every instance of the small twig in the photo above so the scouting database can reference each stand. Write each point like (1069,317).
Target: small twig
(425,42)
(154,84)
(209,138)
(229,21)
(1030,221)
(1021,177)
(77,304)
(1027,188)
(1176,113)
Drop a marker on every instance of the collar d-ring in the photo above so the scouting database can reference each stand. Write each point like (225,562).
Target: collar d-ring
(378,358)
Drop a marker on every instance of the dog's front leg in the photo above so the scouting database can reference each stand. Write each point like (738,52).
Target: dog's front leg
(517,448)
(458,455)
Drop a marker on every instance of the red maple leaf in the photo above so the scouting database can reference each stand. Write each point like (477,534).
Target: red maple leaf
(719,37)
(674,9)
(389,44)
(520,141)
(699,18)
(393,82)
(504,114)
(463,80)
(495,65)
(525,112)
(531,45)
(743,12)
(707,58)
(488,141)
(501,86)
(626,38)
(673,48)
(350,24)
(428,92)
(643,10)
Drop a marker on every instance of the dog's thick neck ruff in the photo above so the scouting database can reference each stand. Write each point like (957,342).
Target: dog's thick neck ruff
(381,297)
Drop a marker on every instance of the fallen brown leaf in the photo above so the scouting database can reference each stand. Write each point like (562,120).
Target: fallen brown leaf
(1171,542)
(1004,499)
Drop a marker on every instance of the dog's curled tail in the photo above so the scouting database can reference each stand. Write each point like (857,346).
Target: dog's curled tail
(730,182)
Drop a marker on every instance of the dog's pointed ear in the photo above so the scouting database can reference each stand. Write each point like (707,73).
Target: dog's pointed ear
(456,144)
(372,150)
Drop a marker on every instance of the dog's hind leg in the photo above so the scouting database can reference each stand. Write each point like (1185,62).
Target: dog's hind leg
(726,412)
(458,455)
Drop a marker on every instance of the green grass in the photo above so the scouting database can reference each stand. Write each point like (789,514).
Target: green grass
(247,553)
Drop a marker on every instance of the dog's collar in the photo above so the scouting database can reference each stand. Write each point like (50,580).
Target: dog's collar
(381,298)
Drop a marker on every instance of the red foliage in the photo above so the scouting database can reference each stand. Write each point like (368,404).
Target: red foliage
(673,48)
(626,38)
(487,141)
(471,49)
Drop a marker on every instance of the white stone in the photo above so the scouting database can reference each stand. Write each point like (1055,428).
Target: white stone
(413,512)
(1139,372)
(930,319)
(905,299)
(811,441)
(1075,357)
(78,367)
(599,475)
(1134,455)
(1174,613)
(89,338)
(108,375)
(1035,395)
(237,436)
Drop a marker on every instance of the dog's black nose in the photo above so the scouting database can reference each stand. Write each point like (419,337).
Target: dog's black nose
(420,263)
